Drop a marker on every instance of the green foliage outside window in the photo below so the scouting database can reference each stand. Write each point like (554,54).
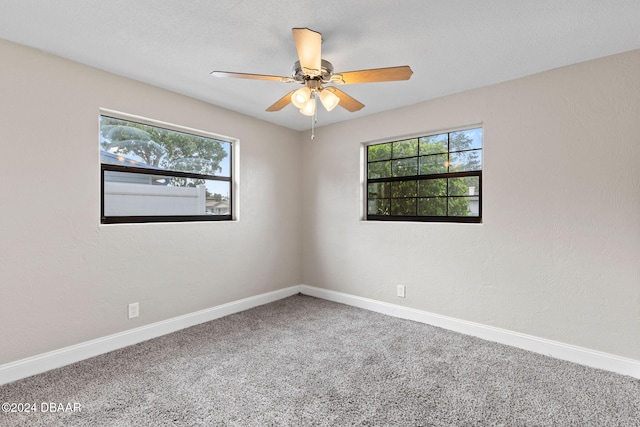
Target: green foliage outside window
(431,176)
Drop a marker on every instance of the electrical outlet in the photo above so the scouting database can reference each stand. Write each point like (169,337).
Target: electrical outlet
(400,291)
(134,310)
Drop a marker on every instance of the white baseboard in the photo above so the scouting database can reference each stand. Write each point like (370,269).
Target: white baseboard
(558,350)
(55,359)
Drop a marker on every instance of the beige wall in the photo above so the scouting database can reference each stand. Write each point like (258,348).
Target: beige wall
(66,279)
(558,253)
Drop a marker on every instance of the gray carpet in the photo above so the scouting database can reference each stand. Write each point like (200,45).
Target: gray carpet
(305,361)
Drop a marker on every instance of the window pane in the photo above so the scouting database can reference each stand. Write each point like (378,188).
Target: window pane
(426,177)
(379,190)
(466,161)
(433,164)
(218,194)
(404,189)
(467,186)
(465,140)
(378,207)
(405,167)
(136,194)
(408,148)
(432,187)
(434,144)
(432,206)
(464,206)
(379,170)
(379,152)
(403,206)
(128,143)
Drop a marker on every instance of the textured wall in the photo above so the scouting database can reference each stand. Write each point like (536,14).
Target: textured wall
(64,278)
(557,255)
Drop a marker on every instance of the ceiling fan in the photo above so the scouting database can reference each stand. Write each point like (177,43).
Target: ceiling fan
(314,73)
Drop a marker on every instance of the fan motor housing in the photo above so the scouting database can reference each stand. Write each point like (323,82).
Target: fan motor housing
(300,76)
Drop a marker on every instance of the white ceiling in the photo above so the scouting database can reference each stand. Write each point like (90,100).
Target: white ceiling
(451,45)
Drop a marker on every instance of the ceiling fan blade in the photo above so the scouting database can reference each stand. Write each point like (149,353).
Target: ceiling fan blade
(281,103)
(347,102)
(251,76)
(373,75)
(309,47)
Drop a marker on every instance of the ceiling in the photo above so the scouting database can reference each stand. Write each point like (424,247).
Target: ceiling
(451,45)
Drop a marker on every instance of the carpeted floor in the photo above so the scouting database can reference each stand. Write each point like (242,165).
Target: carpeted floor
(305,361)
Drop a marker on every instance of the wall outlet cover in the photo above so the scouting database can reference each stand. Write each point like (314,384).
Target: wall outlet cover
(134,310)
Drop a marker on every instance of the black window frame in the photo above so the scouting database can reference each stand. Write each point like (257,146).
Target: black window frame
(421,178)
(129,219)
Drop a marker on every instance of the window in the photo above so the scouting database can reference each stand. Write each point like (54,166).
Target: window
(151,173)
(428,178)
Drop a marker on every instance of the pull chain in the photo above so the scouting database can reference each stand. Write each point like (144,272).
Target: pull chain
(313,126)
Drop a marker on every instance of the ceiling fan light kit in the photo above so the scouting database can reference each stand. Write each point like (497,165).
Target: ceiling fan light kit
(313,72)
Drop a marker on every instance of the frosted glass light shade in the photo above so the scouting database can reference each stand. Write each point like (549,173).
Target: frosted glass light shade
(309,108)
(300,97)
(329,99)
